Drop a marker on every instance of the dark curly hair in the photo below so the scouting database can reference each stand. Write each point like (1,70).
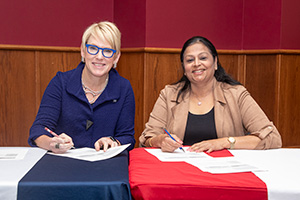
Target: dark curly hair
(220,73)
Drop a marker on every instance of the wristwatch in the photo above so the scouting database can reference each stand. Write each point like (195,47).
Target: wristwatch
(232,141)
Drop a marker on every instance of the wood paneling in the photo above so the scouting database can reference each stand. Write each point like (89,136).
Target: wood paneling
(271,76)
(289,100)
(49,63)
(160,70)
(234,65)
(24,74)
(261,81)
(17,101)
(131,67)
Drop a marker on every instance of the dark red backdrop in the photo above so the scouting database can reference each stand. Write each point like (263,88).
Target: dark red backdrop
(230,24)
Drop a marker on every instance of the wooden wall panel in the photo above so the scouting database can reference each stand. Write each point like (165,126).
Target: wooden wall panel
(160,70)
(24,75)
(233,65)
(289,101)
(261,82)
(17,102)
(131,67)
(50,62)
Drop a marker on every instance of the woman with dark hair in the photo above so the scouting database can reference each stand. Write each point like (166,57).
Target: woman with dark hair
(207,109)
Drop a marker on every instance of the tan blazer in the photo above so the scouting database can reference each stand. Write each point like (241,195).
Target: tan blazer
(236,114)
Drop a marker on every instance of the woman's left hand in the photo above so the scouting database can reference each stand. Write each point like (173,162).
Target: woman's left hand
(209,145)
(106,143)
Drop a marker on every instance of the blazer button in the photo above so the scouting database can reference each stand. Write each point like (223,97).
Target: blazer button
(115,100)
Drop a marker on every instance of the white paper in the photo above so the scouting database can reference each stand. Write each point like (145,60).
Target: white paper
(177,156)
(223,165)
(90,154)
(12,154)
(205,162)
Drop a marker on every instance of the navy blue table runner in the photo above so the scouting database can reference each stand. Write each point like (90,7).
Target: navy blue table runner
(55,177)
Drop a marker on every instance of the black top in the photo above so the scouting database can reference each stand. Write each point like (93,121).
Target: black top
(199,128)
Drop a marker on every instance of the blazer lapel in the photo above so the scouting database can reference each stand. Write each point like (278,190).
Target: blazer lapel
(219,108)
(74,85)
(179,117)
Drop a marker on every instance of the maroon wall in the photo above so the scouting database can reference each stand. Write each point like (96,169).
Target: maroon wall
(290,23)
(230,24)
(50,22)
(261,29)
(171,24)
(130,17)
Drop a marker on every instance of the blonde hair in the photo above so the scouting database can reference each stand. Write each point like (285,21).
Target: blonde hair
(106,31)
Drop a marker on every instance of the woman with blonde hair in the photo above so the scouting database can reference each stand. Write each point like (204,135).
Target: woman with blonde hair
(91,105)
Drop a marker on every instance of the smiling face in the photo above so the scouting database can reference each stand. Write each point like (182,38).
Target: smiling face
(199,64)
(98,65)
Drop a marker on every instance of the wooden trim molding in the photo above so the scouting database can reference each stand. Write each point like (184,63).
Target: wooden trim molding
(38,48)
(260,52)
(146,50)
(222,51)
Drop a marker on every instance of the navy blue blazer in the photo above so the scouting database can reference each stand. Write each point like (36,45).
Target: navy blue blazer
(65,109)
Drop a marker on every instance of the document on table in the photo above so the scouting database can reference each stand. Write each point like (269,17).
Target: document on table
(177,155)
(223,165)
(205,162)
(90,154)
(12,154)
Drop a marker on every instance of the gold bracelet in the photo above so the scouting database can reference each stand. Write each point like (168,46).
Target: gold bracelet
(150,141)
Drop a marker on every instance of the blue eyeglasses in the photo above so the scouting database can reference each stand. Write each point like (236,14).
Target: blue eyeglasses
(106,52)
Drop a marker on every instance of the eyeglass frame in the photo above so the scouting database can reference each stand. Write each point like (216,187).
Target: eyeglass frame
(91,45)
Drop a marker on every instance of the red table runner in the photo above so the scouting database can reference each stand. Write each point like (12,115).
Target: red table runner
(150,178)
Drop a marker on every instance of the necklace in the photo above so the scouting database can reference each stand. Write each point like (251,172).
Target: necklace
(88,90)
(199,102)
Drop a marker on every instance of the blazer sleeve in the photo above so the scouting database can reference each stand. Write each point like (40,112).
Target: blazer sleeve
(49,110)
(257,123)
(125,127)
(157,119)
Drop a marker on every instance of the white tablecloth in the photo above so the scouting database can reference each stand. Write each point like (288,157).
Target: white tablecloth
(282,176)
(283,170)
(12,171)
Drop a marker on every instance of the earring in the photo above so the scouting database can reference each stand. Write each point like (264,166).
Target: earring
(82,59)
(115,65)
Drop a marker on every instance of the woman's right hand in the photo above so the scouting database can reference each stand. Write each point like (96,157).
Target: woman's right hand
(61,144)
(166,143)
